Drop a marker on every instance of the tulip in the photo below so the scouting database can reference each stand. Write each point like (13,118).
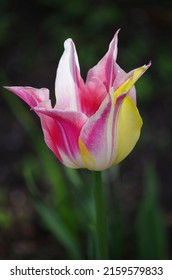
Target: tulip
(95,124)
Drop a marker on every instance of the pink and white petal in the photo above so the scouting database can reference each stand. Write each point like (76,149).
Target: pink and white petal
(61,131)
(97,137)
(105,69)
(92,96)
(120,74)
(49,130)
(68,79)
(32,96)
(120,78)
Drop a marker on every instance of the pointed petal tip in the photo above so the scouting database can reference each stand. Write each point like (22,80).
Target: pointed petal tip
(5,87)
(115,37)
(146,66)
(149,64)
(17,87)
(8,87)
(68,42)
(118,30)
(11,88)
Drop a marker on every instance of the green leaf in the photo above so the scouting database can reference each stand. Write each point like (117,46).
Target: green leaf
(52,220)
(5,219)
(150,228)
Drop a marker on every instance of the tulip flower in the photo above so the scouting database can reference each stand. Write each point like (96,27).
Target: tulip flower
(95,124)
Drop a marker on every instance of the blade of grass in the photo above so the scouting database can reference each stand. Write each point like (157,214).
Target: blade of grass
(52,170)
(51,219)
(150,228)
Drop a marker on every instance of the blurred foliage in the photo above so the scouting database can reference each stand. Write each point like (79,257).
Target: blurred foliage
(150,228)
(138,191)
(5,218)
(5,215)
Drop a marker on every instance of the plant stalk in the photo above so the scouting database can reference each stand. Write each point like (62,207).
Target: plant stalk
(100,213)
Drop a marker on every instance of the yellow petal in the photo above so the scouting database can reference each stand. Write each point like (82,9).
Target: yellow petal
(128,128)
(86,155)
(127,85)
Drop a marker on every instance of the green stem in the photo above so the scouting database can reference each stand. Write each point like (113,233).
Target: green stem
(101,229)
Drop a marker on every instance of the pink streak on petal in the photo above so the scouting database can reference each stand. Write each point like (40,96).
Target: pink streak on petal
(92,96)
(98,133)
(50,134)
(68,79)
(61,132)
(32,96)
(105,69)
